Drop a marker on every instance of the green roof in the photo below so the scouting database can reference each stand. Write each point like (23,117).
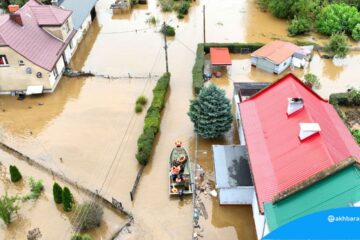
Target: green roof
(338,190)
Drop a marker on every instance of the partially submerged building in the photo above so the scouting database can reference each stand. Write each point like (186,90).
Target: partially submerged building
(277,56)
(34,48)
(302,157)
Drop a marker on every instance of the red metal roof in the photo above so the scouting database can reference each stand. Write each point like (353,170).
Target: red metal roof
(278,158)
(48,15)
(30,40)
(276,51)
(220,56)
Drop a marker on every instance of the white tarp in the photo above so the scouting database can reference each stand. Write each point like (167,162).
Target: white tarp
(38,89)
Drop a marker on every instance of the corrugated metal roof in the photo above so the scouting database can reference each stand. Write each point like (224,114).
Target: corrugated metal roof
(231,166)
(220,56)
(47,15)
(81,9)
(338,190)
(30,40)
(278,159)
(276,51)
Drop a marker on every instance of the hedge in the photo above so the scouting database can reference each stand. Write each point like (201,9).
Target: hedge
(152,120)
(202,49)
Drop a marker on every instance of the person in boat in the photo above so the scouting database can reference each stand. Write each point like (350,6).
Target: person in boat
(178,143)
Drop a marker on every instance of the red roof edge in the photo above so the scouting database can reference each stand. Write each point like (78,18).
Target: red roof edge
(283,79)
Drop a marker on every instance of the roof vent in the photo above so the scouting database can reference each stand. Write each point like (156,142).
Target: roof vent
(294,105)
(308,129)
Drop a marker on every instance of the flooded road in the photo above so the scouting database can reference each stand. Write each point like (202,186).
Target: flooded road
(88,128)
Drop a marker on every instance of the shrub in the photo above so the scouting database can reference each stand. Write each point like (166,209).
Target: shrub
(91,216)
(299,26)
(15,174)
(338,45)
(166,5)
(57,193)
(152,20)
(67,199)
(152,120)
(356,134)
(356,32)
(8,206)
(354,95)
(36,188)
(312,81)
(138,108)
(183,8)
(168,30)
(78,236)
(141,100)
(211,112)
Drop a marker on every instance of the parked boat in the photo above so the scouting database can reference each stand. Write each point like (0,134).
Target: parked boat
(179,171)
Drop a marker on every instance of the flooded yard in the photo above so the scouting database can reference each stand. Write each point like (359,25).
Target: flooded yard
(88,128)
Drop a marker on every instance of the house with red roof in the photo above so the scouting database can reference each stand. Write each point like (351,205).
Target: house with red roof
(277,56)
(299,148)
(35,46)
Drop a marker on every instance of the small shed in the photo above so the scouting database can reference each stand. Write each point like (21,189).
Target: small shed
(219,58)
(232,173)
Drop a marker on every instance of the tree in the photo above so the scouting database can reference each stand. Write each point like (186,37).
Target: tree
(336,18)
(356,32)
(57,192)
(8,206)
(211,112)
(15,174)
(338,45)
(67,199)
(312,81)
(78,236)
(91,216)
(299,26)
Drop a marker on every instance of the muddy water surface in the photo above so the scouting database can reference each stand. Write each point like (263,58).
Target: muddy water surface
(88,128)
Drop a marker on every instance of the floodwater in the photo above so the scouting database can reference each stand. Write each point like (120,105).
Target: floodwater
(88,129)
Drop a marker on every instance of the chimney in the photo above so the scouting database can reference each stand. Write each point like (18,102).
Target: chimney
(55,2)
(13,8)
(16,17)
(308,129)
(294,105)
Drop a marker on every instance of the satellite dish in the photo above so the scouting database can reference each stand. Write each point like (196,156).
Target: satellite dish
(39,75)
(28,70)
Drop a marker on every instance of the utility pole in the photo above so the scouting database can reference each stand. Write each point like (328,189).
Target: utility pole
(204,24)
(166,53)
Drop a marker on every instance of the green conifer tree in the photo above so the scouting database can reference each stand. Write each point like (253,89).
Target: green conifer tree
(57,192)
(67,199)
(211,112)
(15,174)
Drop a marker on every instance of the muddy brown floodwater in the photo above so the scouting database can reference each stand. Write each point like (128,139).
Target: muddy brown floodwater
(88,128)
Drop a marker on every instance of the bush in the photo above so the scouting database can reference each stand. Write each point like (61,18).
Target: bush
(152,120)
(299,26)
(67,199)
(354,95)
(141,100)
(312,81)
(168,30)
(138,108)
(338,45)
(57,193)
(91,214)
(36,187)
(15,174)
(356,32)
(8,206)
(356,134)
(78,236)
(183,8)
(166,5)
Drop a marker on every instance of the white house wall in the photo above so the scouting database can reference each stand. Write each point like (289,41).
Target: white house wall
(81,33)
(60,66)
(238,120)
(284,65)
(259,219)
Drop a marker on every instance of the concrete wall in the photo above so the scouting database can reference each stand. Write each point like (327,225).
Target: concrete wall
(236,195)
(14,76)
(238,121)
(284,65)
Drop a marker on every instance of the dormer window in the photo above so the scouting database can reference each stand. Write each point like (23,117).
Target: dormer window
(3,61)
(294,105)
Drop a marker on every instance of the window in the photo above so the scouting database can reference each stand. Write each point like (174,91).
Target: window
(284,63)
(3,61)
(21,63)
(71,44)
(55,71)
